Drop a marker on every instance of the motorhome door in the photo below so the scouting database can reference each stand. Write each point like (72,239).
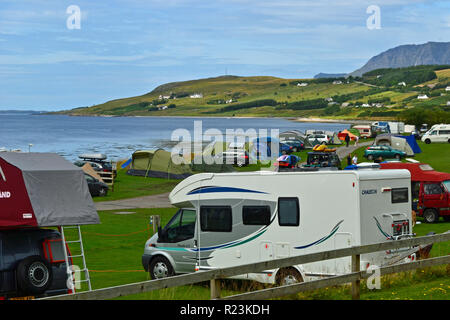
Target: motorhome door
(180,236)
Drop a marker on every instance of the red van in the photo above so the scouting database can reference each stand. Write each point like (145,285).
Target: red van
(430,190)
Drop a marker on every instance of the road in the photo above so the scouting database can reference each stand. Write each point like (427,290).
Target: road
(153,201)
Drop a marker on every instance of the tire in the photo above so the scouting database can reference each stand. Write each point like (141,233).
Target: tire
(427,141)
(160,268)
(430,216)
(288,276)
(34,275)
(370,157)
(448,141)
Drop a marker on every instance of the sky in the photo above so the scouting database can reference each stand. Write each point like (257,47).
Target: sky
(55,57)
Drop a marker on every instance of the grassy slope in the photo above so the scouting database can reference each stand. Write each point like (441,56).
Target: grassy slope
(256,88)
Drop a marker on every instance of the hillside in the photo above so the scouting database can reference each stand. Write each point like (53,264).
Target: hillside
(379,94)
(430,53)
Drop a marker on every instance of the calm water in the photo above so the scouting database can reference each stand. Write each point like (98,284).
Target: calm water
(119,137)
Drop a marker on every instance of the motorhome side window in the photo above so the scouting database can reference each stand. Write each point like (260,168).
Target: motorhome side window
(216,218)
(399,195)
(288,212)
(256,215)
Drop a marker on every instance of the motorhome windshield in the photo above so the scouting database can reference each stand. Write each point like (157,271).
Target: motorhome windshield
(181,227)
(447,185)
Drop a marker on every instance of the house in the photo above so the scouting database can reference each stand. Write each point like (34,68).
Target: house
(229,101)
(161,97)
(345,104)
(422,96)
(337,82)
(303,84)
(401,84)
(366,105)
(447,89)
(329,99)
(196,96)
(448,103)
(162,107)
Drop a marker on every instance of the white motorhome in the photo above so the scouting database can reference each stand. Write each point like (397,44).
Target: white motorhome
(437,133)
(230,219)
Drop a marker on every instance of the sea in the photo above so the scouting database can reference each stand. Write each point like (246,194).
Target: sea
(119,137)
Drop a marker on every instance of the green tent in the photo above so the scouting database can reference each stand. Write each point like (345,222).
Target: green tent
(157,163)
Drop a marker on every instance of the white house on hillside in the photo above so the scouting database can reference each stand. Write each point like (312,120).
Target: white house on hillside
(303,84)
(447,89)
(401,84)
(422,96)
(337,82)
(196,96)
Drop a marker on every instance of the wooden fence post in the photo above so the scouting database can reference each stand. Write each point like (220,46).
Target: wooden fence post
(356,284)
(156,221)
(215,288)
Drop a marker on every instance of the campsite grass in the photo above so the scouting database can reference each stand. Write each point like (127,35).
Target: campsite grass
(114,249)
(126,186)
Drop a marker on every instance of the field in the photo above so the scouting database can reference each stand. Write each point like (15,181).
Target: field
(114,249)
(224,96)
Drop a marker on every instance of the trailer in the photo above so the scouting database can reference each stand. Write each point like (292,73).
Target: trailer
(232,219)
(40,195)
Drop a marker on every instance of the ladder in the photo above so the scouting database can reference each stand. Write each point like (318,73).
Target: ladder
(70,270)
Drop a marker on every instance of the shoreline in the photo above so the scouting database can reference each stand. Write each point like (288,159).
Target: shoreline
(295,119)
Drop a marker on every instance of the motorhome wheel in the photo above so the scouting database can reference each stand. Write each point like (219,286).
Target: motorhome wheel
(288,276)
(427,141)
(430,215)
(34,275)
(160,268)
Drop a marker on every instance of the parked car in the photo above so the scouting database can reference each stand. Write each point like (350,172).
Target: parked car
(296,145)
(323,159)
(430,190)
(286,148)
(437,133)
(96,187)
(97,161)
(386,152)
(287,162)
(318,139)
(32,263)
(235,157)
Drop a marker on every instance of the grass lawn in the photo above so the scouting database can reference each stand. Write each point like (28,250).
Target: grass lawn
(126,186)
(114,249)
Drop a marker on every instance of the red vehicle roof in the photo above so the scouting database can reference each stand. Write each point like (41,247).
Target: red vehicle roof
(419,171)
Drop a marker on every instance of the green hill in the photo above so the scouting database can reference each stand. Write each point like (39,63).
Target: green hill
(377,94)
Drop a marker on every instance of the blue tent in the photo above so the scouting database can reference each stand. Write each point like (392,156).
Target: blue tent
(412,143)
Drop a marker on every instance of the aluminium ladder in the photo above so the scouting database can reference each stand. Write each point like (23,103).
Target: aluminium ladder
(70,270)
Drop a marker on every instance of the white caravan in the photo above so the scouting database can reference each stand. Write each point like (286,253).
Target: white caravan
(230,219)
(437,133)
